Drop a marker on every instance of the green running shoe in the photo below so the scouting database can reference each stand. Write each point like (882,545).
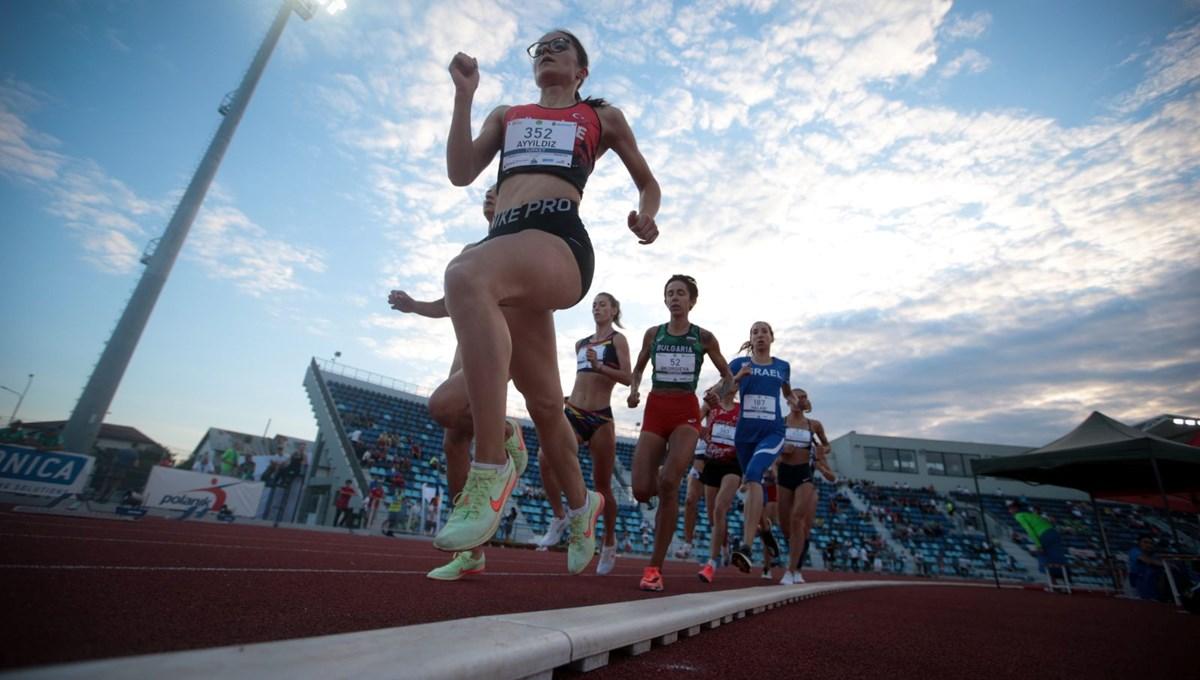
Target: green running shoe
(476,514)
(582,545)
(464,563)
(515,447)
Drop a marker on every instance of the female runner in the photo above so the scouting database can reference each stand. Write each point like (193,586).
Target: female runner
(721,475)
(671,423)
(760,429)
(602,361)
(803,440)
(536,258)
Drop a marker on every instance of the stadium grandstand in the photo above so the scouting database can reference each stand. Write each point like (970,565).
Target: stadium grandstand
(907,500)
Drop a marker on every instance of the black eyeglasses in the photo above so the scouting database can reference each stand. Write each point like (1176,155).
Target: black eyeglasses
(554,45)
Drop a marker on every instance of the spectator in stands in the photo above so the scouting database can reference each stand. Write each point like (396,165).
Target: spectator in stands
(626,543)
(342,504)
(507,523)
(1044,536)
(357,511)
(246,471)
(412,516)
(395,518)
(295,466)
(1147,574)
(204,464)
(229,462)
(375,498)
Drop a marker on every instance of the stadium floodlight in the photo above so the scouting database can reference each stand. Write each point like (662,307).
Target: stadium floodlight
(1189,422)
(81,429)
(307,8)
(1177,421)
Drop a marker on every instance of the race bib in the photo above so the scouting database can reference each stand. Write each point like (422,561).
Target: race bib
(723,433)
(674,366)
(532,141)
(759,406)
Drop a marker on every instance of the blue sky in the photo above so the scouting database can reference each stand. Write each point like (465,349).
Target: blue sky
(970,221)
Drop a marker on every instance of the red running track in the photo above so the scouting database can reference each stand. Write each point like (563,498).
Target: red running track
(91,588)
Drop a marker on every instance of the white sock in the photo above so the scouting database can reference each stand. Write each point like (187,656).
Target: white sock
(575,512)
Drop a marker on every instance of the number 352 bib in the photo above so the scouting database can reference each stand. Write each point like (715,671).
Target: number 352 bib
(533,141)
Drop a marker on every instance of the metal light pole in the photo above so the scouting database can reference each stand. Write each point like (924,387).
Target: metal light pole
(81,429)
(20,397)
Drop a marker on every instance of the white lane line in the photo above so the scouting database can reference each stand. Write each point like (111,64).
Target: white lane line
(189,544)
(191,530)
(273,570)
(341,553)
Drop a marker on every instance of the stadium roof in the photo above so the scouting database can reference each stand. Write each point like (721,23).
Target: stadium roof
(121,433)
(1185,429)
(1109,460)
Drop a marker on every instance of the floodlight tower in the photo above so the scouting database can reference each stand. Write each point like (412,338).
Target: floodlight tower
(81,429)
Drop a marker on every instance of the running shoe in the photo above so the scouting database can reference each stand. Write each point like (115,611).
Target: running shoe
(476,514)
(741,559)
(515,447)
(767,575)
(684,550)
(651,579)
(553,533)
(787,579)
(707,573)
(582,545)
(464,563)
(608,559)
(797,578)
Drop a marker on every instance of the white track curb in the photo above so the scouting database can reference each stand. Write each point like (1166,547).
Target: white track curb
(524,645)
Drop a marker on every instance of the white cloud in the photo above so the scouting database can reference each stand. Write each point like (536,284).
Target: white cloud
(232,247)
(1173,65)
(969,61)
(967,27)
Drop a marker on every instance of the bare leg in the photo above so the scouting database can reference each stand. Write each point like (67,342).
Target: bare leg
(695,490)
(603,448)
(477,282)
(719,502)
(550,485)
(786,497)
(535,372)
(680,449)
(752,514)
(647,457)
(449,408)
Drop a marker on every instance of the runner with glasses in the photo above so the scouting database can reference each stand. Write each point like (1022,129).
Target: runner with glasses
(501,294)
(671,423)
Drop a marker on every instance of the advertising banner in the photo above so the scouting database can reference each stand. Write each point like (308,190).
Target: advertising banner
(182,489)
(43,473)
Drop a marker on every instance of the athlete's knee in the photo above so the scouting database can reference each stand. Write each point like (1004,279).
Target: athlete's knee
(448,411)
(546,410)
(758,466)
(642,493)
(668,488)
(463,282)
